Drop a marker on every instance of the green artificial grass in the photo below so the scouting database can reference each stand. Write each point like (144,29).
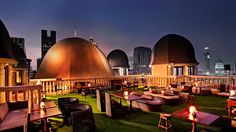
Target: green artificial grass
(140,121)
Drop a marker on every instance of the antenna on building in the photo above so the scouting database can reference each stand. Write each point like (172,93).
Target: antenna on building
(75,34)
(75,30)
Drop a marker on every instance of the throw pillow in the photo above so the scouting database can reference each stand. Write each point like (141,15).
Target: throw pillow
(136,93)
(147,97)
(155,91)
(168,93)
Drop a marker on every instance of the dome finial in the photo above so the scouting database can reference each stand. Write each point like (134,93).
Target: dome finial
(91,40)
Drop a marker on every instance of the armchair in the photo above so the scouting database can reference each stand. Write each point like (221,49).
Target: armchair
(62,102)
(81,117)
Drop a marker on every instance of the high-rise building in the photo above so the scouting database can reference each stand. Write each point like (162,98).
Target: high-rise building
(207,61)
(142,58)
(47,41)
(219,67)
(39,61)
(131,63)
(18,41)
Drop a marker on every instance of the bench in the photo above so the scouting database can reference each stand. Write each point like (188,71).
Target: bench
(146,103)
(166,99)
(13,115)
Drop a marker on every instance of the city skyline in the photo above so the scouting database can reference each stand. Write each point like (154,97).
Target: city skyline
(125,24)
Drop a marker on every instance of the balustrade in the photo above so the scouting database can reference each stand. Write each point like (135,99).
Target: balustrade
(17,93)
(66,84)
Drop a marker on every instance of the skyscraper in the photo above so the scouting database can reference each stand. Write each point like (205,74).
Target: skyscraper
(142,58)
(18,41)
(219,67)
(207,61)
(47,41)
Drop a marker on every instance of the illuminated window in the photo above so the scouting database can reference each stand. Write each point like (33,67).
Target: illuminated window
(121,72)
(208,56)
(190,70)
(178,71)
(19,76)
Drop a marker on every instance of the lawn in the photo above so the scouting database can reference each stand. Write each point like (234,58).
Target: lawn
(139,121)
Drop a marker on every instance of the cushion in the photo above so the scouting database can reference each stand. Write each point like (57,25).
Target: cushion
(148,97)
(4,110)
(173,85)
(154,91)
(136,94)
(168,93)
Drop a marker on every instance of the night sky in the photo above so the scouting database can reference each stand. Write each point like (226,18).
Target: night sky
(125,24)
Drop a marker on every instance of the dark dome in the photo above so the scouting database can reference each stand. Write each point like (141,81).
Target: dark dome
(173,48)
(19,55)
(118,58)
(74,57)
(5,44)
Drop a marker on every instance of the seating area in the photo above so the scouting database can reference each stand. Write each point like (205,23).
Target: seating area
(132,120)
(166,97)
(147,103)
(79,115)
(9,112)
(128,109)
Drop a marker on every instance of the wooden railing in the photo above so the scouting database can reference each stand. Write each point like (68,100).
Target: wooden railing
(16,93)
(50,86)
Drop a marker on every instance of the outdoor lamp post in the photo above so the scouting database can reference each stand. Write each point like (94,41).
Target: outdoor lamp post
(193,116)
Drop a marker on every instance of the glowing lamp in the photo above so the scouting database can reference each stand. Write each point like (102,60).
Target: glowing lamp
(196,84)
(42,105)
(125,82)
(38,82)
(232,93)
(192,112)
(89,85)
(126,94)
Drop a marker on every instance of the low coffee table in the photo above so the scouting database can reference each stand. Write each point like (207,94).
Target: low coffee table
(203,118)
(129,98)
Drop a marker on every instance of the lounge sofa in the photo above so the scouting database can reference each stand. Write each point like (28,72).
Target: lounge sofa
(165,98)
(81,117)
(146,103)
(13,116)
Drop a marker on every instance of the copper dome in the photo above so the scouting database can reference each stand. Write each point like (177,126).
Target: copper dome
(74,57)
(118,58)
(5,44)
(173,48)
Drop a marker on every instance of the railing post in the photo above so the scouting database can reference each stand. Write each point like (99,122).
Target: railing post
(7,96)
(16,95)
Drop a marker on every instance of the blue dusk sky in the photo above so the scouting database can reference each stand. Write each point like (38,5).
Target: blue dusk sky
(125,24)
